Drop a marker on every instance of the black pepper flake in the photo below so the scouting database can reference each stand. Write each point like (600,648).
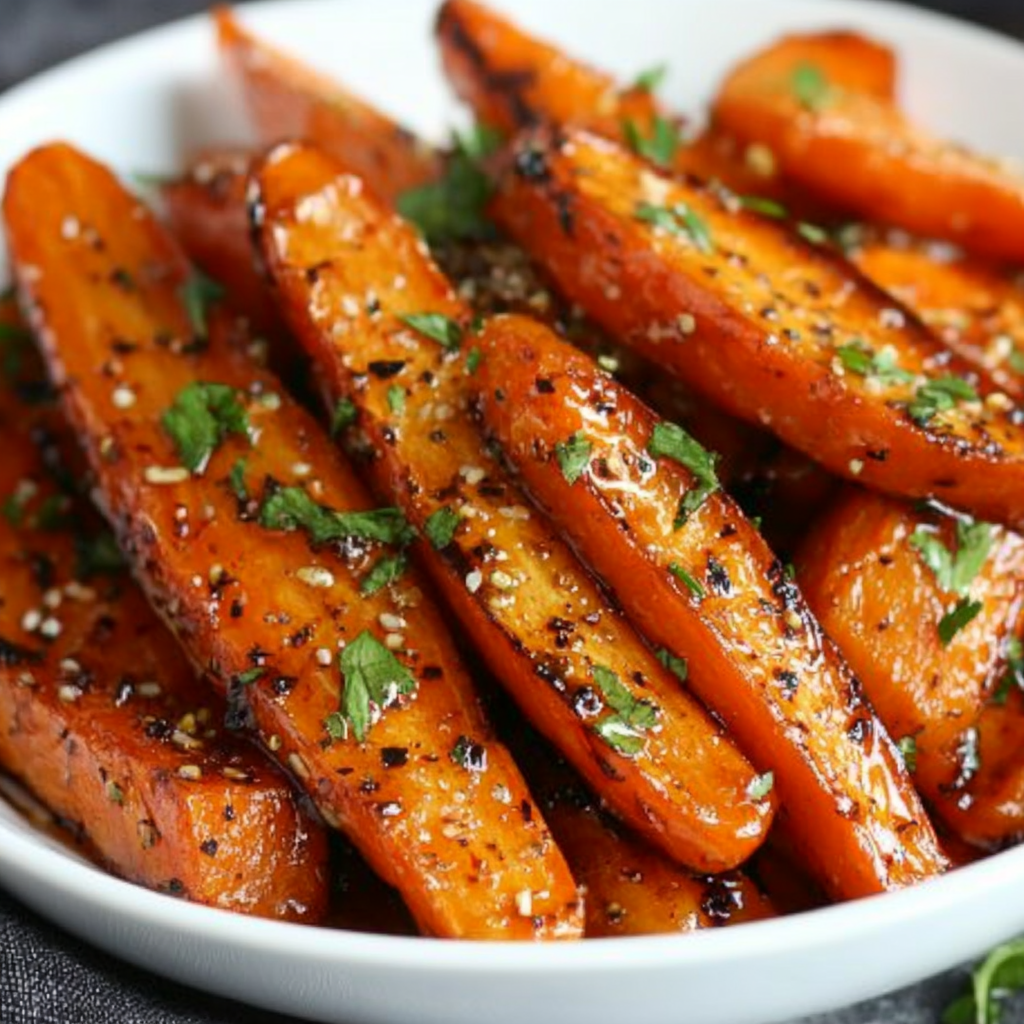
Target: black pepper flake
(368,785)
(526,810)
(860,730)
(229,812)
(385,369)
(12,655)
(469,755)
(394,757)
(431,672)
(237,609)
(718,577)
(544,386)
(124,693)
(789,681)
(283,685)
(586,703)
(159,729)
(176,886)
(208,847)
(531,164)
(721,900)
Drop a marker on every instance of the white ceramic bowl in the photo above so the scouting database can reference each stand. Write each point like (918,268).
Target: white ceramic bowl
(141,105)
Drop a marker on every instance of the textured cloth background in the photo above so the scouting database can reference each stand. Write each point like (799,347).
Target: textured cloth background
(46,977)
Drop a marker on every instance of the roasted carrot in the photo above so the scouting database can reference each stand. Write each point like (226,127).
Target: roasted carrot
(100,713)
(847,143)
(288,100)
(922,605)
(768,326)
(975,307)
(640,500)
(261,549)
(383,326)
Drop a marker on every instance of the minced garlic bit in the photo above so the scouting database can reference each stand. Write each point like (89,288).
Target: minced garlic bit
(315,576)
(474,580)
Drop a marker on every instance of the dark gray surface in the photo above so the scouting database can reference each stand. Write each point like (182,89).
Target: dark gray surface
(49,978)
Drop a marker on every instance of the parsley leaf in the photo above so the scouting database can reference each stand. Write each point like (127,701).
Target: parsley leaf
(373,678)
(573,456)
(436,326)
(677,666)
(200,419)
(473,359)
(812,233)
(1014,674)
(650,79)
(907,747)
(344,415)
(250,676)
(440,527)
(761,786)
(693,585)
(965,612)
(386,570)
(939,395)
(236,480)
(623,730)
(291,508)
(1001,973)
(955,572)
(765,207)
(396,399)
(336,726)
(811,87)
(677,220)
(453,207)
(660,146)
(860,358)
(198,293)
(670,441)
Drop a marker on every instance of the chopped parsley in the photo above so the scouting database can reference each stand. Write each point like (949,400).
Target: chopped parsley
(473,359)
(250,676)
(115,794)
(623,730)
(573,456)
(440,527)
(436,326)
(198,293)
(691,583)
(649,79)
(812,233)
(677,666)
(396,399)
(669,440)
(454,206)
(98,555)
(1016,360)
(761,786)
(811,87)
(336,726)
(1001,973)
(955,571)
(386,570)
(1014,674)
(907,747)
(939,395)
(859,358)
(291,508)
(677,220)
(660,146)
(344,415)
(200,419)
(765,207)
(236,480)
(964,612)
(374,679)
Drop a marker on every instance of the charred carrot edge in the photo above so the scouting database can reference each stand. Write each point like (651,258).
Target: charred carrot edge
(100,714)
(288,100)
(866,570)
(892,171)
(640,501)
(743,309)
(250,557)
(347,277)
(976,308)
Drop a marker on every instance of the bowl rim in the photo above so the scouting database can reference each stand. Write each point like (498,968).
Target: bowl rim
(89,885)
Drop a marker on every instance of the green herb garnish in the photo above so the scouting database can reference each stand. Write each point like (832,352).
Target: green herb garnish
(236,481)
(198,293)
(1014,674)
(691,583)
(677,666)
(860,358)
(669,440)
(344,415)
(939,395)
(623,730)
(677,220)
(765,207)
(573,456)
(660,146)
(473,359)
(965,612)
(201,418)
(907,747)
(761,786)
(1000,974)
(98,555)
(250,676)
(955,571)
(811,87)
(373,678)
(812,233)
(396,399)
(291,508)
(436,326)
(386,570)
(440,527)
(650,79)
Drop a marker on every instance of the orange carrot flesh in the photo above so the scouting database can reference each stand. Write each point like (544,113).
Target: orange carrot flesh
(545,628)
(769,327)
(359,691)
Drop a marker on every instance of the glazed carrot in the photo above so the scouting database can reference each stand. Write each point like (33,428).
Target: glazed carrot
(101,715)
(771,328)
(922,605)
(975,307)
(640,500)
(382,324)
(288,100)
(263,552)
(850,145)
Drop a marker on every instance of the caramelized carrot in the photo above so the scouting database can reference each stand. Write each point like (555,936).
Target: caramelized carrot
(101,715)
(769,327)
(262,550)
(382,324)
(288,100)
(849,144)
(975,307)
(640,501)
(922,605)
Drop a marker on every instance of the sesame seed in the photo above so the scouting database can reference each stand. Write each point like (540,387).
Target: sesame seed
(323,656)
(52,598)
(165,474)
(79,592)
(70,228)
(502,793)
(687,323)
(31,620)
(271,401)
(792,618)
(999,401)
(472,474)
(51,628)
(315,576)
(298,766)
(474,580)
(274,743)
(235,774)
(391,621)
(349,306)
(70,666)
(68,694)
(192,772)
(760,159)
(182,740)
(301,468)
(394,641)
(514,512)
(123,397)
(856,466)
(524,903)
(148,834)
(149,689)
(502,580)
